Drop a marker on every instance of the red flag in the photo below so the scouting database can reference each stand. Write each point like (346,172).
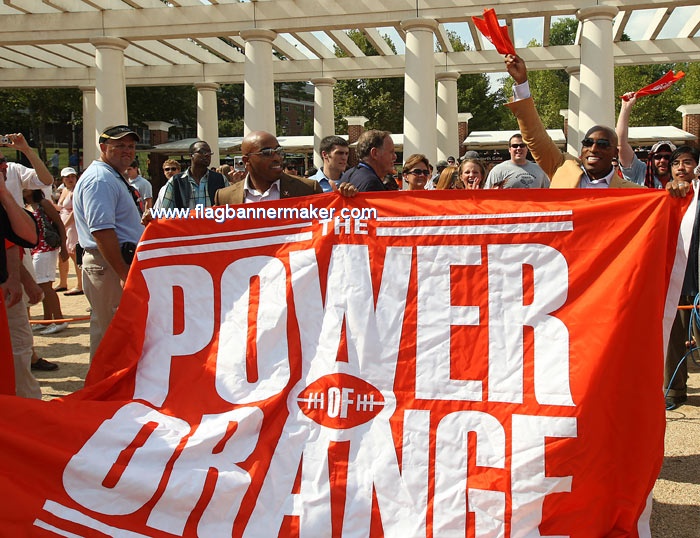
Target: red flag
(496,34)
(661,85)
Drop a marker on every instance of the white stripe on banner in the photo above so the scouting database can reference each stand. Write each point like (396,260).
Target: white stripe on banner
(228,245)
(179,240)
(69,514)
(479,229)
(43,525)
(479,217)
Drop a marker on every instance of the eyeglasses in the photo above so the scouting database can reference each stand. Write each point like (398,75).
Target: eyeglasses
(685,162)
(518,146)
(269,152)
(602,143)
(662,156)
(419,172)
(169,169)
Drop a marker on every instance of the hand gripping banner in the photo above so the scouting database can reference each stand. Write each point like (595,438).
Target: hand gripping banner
(403,365)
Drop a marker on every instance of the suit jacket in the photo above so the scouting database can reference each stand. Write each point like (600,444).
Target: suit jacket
(290,187)
(563,170)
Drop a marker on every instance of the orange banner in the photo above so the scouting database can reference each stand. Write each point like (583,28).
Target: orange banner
(435,364)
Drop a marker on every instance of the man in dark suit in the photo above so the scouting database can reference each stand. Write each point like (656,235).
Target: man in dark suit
(265,179)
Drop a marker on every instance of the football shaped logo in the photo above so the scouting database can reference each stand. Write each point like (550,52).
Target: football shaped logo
(340,401)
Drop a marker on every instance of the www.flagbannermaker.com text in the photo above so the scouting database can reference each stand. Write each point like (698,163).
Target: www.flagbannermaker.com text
(220,214)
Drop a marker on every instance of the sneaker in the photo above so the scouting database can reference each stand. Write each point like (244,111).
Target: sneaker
(38,327)
(54,328)
(44,366)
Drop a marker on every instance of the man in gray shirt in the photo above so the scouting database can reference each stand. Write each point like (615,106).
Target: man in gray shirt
(518,172)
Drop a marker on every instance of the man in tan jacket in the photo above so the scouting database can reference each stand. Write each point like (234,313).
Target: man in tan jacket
(265,179)
(593,168)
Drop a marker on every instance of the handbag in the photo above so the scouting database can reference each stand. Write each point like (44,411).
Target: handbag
(51,236)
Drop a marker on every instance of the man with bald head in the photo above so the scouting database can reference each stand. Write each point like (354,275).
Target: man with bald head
(265,179)
(592,170)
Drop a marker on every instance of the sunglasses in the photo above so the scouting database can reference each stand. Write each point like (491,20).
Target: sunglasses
(602,143)
(203,152)
(662,156)
(518,146)
(419,172)
(269,152)
(169,169)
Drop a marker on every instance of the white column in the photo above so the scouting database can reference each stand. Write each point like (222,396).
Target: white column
(259,91)
(110,83)
(419,89)
(573,135)
(447,133)
(90,134)
(324,124)
(597,106)
(208,117)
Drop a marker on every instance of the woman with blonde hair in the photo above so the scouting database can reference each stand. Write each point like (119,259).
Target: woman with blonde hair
(472,173)
(416,171)
(449,179)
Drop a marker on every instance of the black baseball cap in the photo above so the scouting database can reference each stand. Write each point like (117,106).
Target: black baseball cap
(115,132)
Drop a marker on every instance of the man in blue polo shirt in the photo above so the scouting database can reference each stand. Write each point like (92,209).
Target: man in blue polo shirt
(109,226)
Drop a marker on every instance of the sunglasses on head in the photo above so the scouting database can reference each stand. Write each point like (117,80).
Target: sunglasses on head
(516,146)
(600,142)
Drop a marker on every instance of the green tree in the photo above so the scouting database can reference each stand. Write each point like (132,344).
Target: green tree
(379,100)
(174,104)
(690,85)
(230,101)
(32,111)
(652,110)
(563,31)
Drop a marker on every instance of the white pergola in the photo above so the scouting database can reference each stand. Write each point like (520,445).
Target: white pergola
(101,46)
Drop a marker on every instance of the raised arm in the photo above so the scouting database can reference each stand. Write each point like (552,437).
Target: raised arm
(626,152)
(18,142)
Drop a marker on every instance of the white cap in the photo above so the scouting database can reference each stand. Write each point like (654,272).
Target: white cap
(656,147)
(67,171)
